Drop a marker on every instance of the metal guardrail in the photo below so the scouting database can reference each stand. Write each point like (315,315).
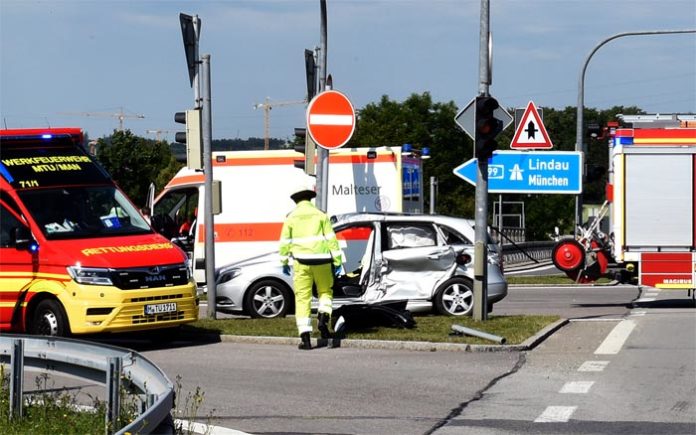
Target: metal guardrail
(108,365)
(527,252)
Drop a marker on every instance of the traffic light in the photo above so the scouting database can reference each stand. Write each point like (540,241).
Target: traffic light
(487,127)
(191,137)
(305,145)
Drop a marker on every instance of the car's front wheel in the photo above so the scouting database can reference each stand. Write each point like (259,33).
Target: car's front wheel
(454,298)
(49,319)
(268,299)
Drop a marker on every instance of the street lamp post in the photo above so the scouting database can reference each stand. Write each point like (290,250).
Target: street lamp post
(579,145)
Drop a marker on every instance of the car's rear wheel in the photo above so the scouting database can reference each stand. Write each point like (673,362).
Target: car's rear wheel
(268,299)
(454,298)
(49,319)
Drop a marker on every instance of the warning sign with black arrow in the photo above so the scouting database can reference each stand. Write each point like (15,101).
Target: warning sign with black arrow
(531,133)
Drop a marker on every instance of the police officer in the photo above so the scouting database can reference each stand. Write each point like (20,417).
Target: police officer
(308,237)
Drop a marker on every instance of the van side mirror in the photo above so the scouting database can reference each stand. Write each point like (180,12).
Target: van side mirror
(24,240)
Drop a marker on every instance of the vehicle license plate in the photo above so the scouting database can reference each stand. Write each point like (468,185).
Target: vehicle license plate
(160,308)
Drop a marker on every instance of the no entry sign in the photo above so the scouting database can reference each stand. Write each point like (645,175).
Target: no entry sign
(330,119)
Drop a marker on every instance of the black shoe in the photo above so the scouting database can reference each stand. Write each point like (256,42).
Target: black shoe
(323,325)
(306,342)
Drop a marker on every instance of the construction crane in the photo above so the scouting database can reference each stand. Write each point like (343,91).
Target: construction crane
(267,106)
(120,115)
(157,133)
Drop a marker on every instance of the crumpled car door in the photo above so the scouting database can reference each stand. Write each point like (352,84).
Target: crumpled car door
(413,261)
(414,273)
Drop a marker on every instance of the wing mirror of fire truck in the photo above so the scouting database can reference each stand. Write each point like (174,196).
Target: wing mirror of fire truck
(24,240)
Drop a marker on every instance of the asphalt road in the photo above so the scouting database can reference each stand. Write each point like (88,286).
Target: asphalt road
(647,386)
(634,375)
(278,389)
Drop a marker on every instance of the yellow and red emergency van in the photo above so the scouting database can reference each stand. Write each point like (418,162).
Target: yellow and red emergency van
(76,256)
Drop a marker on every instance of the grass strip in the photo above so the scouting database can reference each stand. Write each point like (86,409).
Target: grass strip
(430,328)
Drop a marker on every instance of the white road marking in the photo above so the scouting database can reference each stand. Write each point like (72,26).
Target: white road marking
(645,300)
(201,428)
(638,313)
(613,343)
(576,387)
(556,414)
(593,366)
(330,120)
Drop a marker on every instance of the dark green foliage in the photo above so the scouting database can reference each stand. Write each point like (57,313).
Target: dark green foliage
(134,162)
(422,123)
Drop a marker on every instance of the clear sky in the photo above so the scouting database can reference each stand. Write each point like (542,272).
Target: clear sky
(62,59)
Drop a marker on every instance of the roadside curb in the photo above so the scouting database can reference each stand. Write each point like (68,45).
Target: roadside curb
(422,346)
(608,284)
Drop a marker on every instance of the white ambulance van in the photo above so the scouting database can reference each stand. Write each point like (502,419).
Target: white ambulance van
(255,188)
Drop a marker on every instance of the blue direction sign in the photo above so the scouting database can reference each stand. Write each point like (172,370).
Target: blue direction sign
(528,172)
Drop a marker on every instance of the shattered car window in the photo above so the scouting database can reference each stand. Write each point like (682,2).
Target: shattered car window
(410,236)
(452,237)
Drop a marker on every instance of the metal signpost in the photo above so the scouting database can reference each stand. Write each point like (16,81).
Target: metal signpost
(483,119)
(190,30)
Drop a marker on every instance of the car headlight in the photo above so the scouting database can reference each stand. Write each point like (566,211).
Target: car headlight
(229,275)
(90,275)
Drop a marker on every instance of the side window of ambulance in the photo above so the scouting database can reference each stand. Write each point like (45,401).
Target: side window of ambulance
(173,210)
(8,223)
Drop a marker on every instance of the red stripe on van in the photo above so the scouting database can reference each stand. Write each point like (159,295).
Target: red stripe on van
(244,232)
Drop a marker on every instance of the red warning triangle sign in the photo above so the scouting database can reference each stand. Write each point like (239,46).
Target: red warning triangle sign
(531,133)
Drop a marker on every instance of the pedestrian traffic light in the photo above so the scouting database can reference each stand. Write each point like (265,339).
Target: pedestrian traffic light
(487,127)
(305,145)
(191,137)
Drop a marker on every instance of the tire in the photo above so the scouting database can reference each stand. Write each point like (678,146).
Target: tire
(267,299)
(454,298)
(49,319)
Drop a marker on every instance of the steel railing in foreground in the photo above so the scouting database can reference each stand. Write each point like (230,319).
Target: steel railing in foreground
(104,364)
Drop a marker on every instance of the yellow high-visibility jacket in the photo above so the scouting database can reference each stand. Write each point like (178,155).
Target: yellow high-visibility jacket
(308,237)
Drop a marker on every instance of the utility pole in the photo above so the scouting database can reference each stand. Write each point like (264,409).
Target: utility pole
(322,153)
(481,195)
(207,134)
(579,142)
(267,106)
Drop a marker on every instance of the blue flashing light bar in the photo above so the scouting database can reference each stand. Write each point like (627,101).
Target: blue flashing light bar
(622,140)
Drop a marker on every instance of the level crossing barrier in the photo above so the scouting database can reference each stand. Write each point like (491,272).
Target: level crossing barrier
(119,370)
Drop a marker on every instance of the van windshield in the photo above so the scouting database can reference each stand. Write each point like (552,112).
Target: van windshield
(82,212)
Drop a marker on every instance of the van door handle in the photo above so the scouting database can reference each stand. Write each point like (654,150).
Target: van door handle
(435,256)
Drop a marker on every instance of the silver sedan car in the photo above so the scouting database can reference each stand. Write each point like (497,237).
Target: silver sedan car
(426,260)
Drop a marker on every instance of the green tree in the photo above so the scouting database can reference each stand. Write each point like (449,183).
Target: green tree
(134,162)
(423,123)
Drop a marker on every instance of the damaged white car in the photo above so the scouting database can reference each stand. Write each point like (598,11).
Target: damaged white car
(426,261)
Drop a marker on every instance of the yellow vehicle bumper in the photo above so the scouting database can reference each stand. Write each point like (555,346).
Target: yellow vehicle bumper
(94,309)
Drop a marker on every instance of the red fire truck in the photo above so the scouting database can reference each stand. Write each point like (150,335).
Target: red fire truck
(76,256)
(650,206)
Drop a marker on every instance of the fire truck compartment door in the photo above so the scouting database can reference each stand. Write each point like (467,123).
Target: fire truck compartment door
(658,197)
